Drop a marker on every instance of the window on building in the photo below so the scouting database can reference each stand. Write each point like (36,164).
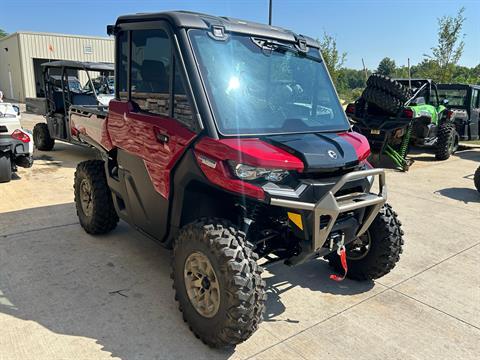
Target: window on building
(150,71)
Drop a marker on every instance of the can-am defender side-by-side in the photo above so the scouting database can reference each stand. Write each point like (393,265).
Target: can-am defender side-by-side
(16,145)
(395,113)
(226,141)
(63,81)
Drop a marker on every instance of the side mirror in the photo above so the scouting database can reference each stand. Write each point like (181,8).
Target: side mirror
(445,102)
(17,109)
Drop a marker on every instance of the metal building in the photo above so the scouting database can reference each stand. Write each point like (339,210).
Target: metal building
(21,54)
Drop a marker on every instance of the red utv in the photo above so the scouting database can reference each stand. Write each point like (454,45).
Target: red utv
(226,141)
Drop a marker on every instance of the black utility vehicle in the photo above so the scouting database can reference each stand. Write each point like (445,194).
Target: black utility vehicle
(63,89)
(226,141)
(463,103)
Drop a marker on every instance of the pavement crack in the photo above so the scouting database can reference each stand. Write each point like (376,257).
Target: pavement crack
(317,323)
(119,292)
(435,308)
(37,229)
(430,267)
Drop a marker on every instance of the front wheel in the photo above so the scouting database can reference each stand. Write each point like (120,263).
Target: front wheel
(93,198)
(375,253)
(217,282)
(5,168)
(447,142)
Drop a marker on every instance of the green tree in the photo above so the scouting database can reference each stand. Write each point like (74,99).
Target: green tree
(386,67)
(334,60)
(450,44)
(427,69)
(3,33)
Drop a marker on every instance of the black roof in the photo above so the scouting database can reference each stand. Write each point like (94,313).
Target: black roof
(457,86)
(81,65)
(413,79)
(187,19)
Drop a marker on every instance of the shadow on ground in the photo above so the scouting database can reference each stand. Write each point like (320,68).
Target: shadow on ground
(115,288)
(313,275)
(465,195)
(63,155)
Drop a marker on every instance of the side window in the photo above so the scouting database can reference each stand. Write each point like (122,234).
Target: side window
(122,65)
(150,71)
(475,98)
(182,108)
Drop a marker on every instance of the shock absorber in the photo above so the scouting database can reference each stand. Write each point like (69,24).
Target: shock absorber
(250,215)
(406,141)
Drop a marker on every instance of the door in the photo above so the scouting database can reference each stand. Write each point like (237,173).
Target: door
(475,115)
(145,125)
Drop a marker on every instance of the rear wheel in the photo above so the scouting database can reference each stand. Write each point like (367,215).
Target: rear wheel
(93,198)
(390,86)
(375,253)
(476,179)
(447,142)
(383,100)
(41,137)
(217,282)
(5,168)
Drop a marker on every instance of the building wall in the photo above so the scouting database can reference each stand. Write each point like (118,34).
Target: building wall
(60,47)
(24,47)
(10,68)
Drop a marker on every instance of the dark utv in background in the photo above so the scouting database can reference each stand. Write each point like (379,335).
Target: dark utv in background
(464,106)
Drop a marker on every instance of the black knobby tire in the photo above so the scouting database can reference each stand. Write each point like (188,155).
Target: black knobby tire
(447,141)
(383,100)
(386,243)
(101,217)
(242,290)
(5,168)
(41,137)
(476,179)
(390,86)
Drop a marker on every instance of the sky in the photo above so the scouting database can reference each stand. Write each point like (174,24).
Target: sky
(368,29)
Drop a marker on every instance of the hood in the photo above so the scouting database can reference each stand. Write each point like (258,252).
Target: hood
(324,151)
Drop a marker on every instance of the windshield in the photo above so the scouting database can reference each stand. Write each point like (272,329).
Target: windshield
(455,97)
(104,85)
(259,86)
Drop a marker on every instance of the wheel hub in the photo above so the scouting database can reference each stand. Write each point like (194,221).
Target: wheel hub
(86,197)
(201,284)
(360,247)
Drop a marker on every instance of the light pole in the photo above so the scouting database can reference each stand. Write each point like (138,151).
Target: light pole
(270,12)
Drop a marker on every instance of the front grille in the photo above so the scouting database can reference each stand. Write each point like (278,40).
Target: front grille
(3,129)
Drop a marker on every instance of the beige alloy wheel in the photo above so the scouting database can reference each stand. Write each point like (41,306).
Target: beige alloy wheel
(201,284)
(86,197)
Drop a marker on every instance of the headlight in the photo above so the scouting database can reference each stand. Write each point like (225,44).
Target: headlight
(247,172)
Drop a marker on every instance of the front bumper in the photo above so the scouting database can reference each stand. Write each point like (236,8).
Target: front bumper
(327,210)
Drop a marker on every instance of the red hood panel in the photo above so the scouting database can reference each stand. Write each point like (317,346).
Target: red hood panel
(254,152)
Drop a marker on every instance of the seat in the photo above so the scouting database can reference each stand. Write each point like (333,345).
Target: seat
(154,77)
(83,99)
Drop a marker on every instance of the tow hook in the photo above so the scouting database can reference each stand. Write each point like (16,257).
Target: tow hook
(341,251)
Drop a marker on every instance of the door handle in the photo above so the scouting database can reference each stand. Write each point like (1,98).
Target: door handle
(162,138)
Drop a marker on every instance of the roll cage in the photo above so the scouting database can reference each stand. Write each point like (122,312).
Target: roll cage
(60,101)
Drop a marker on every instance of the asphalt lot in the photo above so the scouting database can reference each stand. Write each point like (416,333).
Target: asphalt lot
(67,295)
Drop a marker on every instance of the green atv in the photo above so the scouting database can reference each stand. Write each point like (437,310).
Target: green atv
(396,113)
